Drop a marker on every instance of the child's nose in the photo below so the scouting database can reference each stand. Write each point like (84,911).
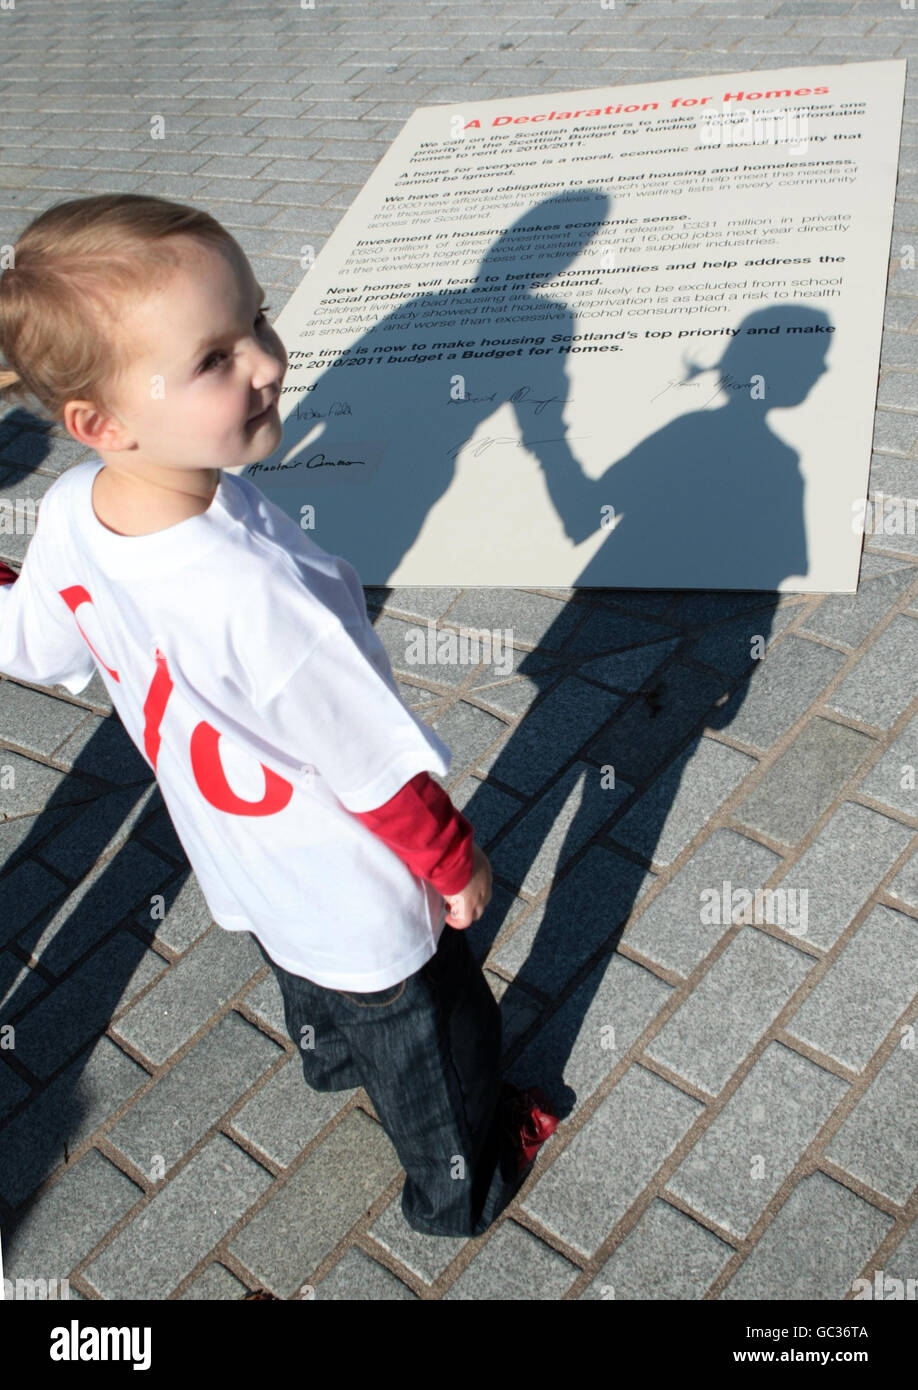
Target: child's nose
(266,365)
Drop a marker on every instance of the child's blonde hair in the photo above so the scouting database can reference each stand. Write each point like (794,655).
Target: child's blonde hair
(74,268)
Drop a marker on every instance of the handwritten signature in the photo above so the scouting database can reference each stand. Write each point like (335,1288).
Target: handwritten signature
(724,382)
(483,445)
(519,396)
(305,412)
(313,461)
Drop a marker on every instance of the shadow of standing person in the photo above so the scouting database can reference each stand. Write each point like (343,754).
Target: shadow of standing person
(633,690)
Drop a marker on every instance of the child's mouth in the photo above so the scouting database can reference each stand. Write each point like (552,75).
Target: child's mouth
(263,415)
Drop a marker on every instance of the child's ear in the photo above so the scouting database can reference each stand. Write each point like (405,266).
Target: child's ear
(92,427)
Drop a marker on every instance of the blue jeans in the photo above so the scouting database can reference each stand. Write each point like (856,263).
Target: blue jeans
(427,1052)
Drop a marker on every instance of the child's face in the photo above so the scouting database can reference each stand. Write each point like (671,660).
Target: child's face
(206,363)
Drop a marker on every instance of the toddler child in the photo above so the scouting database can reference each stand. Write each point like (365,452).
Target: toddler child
(239,656)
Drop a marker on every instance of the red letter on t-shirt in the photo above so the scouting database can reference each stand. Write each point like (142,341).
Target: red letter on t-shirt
(205,756)
(73,597)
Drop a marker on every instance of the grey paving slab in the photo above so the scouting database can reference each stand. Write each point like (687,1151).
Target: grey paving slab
(843,867)
(905,885)
(100,900)
(417,601)
(13,1089)
(160,832)
(468,732)
(65,1114)
(423,701)
(814,1248)
(26,834)
(804,780)
(304,1220)
(357,1276)
(875,564)
(779,691)
(513,698)
(517,665)
(99,830)
(518,1009)
(27,786)
(265,1002)
(730,647)
(858,1000)
(424,1256)
(730,1008)
(21,494)
(534,619)
(673,930)
(558,824)
(628,670)
(893,478)
(102,748)
(502,912)
(883,684)
(573,1053)
(190,993)
(603,631)
(401,638)
(903,1262)
(580,915)
(878,1143)
(95,694)
(179,1225)
(27,890)
(514,1265)
(682,800)
(55,1234)
(493,808)
(894,778)
(286,1113)
(161,1127)
(850,618)
(741,1160)
(36,722)
(605,1167)
(81,1006)
(216,1283)
(557,727)
(178,916)
(652,729)
(667,1256)
(696,607)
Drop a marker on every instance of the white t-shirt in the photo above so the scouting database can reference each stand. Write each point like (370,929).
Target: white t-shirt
(240,659)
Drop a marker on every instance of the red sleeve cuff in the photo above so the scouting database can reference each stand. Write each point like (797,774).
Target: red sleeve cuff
(422,826)
(7,576)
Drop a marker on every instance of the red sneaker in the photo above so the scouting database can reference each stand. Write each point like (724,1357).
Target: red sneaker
(530,1120)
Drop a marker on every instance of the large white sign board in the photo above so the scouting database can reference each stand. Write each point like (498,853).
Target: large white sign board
(624,337)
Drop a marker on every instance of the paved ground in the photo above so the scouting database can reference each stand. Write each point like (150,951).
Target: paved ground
(739,1101)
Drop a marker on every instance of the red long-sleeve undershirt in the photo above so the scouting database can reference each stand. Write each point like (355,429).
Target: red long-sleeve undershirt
(420,824)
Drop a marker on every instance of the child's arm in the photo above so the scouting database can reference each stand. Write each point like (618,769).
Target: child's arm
(422,826)
(38,643)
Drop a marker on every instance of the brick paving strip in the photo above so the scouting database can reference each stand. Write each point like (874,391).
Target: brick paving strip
(749,1129)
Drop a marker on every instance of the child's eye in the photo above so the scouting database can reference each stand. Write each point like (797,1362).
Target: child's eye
(212,357)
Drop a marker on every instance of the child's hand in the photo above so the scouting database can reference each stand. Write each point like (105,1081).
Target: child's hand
(466,907)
